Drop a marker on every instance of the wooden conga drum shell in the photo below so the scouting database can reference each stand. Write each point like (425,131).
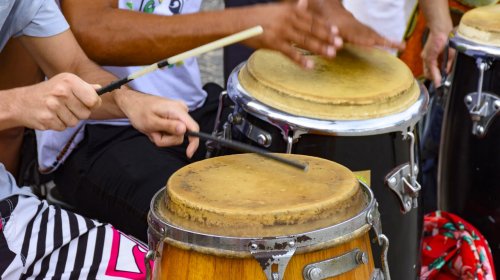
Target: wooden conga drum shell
(232,217)
(187,264)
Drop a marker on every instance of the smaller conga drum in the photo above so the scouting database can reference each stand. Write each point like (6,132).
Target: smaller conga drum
(242,217)
(469,160)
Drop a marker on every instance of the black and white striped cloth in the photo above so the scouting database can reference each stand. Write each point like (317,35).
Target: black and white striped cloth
(42,241)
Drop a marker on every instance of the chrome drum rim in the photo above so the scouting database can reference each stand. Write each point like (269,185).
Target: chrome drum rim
(474,49)
(402,121)
(161,230)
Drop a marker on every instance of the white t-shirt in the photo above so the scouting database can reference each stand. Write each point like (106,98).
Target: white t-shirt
(388,17)
(181,82)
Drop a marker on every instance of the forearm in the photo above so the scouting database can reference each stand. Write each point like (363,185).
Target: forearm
(108,37)
(46,52)
(437,15)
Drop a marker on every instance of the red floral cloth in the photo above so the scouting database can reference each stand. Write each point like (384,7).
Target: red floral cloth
(454,249)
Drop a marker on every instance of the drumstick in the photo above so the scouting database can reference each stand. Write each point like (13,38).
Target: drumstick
(248,149)
(240,36)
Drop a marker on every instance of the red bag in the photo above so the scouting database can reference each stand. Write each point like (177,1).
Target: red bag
(453,249)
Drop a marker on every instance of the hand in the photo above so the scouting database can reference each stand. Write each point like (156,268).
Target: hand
(434,46)
(351,30)
(163,120)
(287,23)
(57,103)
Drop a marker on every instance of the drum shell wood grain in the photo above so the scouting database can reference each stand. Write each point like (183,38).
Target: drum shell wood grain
(180,264)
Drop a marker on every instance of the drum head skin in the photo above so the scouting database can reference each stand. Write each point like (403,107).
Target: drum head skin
(481,25)
(360,83)
(245,195)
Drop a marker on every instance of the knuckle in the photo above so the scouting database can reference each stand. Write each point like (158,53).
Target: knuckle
(59,89)
(67,77)
(53,104)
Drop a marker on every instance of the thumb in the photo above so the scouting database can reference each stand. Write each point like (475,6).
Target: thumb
(99,102)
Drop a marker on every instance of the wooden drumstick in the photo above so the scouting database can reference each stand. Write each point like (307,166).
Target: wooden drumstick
(240,36)
(249,149)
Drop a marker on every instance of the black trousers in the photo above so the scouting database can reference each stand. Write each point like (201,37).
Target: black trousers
(115,171)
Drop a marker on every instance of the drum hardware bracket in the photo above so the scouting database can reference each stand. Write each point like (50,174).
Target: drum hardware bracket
(290,140)
(377,275)
(403,179)
(289,144)
(335,266)
(482,112)
(150,256)
(397,181)
(254,133)
(273,257)
(482,106)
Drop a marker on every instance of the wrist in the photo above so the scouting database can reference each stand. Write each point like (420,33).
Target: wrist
(10,113)
(124,98)
(439,36)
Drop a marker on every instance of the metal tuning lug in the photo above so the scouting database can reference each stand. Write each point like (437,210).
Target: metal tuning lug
(403,180)
(335,266)
(254,133)
(482,106)
(373,218)
(273,257)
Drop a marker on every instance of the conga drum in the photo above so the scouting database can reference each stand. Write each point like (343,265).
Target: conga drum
(360,110)
(243,217)
(469,160)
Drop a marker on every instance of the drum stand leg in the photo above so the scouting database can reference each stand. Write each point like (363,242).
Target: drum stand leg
(211,145)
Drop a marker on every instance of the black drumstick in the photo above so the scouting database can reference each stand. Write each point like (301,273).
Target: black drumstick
(240,36)
(248,149)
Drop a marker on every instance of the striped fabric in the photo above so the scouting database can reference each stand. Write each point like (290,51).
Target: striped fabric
(41,241)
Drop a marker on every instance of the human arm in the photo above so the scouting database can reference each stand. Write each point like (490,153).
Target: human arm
(437,15)
(65,98)
(115,41)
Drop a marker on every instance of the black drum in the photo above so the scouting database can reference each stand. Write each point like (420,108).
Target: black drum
(360,129)
(469,160)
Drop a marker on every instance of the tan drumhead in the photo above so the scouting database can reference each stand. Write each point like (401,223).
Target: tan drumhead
(481,25)
(247,196)
(360,83)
